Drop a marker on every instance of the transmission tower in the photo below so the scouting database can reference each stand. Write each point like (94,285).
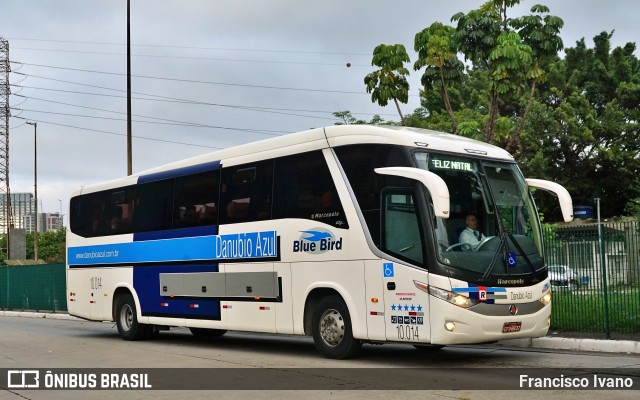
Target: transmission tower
(6,216)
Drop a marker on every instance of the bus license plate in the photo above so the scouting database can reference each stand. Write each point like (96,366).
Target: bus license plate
(509,327)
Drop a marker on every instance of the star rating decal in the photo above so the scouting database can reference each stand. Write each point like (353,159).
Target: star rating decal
(406,307)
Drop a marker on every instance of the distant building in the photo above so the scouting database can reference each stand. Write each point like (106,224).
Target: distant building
(46,222)
(23,207)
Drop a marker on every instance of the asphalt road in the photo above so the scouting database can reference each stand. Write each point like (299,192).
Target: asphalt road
(265,366)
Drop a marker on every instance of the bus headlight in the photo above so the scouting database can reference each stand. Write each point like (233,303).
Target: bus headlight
(546,299)
(453,298)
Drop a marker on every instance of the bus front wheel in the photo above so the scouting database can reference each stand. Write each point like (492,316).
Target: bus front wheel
(332,333)
(127,320)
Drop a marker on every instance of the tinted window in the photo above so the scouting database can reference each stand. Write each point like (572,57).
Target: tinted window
(304,188)
(401,226)
(359,162)
(153,206)
(246,192)
(103,213)
(196,200)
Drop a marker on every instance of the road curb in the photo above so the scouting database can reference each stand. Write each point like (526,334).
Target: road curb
(36,314)
(563,343)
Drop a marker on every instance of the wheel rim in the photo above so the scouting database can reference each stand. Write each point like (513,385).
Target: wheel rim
(126,317)
(332,327)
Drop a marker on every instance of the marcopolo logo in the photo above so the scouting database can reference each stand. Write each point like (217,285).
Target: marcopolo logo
(317,241)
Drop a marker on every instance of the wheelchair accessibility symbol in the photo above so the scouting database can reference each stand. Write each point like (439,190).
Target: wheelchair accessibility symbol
(511,259)
(388,270)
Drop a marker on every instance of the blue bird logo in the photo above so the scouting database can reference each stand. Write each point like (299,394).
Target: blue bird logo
(316,236)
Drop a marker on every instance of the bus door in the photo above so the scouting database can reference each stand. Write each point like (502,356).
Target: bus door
(405,304)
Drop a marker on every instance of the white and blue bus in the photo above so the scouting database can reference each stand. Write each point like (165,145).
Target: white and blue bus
(349,234)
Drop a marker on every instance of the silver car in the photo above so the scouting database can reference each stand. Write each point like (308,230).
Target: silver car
(563,276)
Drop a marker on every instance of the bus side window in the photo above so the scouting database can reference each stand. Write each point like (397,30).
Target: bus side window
(304,188)
(196,200)
(401,233)
(246,193)
(153,206)
(359,162)
(118,213)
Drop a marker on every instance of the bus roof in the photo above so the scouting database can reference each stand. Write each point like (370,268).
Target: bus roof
(331,136)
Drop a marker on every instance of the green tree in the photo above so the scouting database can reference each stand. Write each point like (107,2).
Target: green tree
(585,124)
(51,246)
(437,52)
(348,119)
(389,82)
(3,245)
(512,52)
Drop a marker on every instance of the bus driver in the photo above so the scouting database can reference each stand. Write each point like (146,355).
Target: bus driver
(471,236)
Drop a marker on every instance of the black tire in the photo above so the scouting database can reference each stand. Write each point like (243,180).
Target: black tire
(207,333)
(332,332)
(127,319)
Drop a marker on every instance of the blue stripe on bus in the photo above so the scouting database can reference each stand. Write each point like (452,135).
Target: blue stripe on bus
(209,230)
(476,289)
(146,281)
(238,246)
(178,172)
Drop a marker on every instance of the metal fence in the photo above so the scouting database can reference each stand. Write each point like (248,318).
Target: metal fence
(595,276)
(33,287)
(595,272)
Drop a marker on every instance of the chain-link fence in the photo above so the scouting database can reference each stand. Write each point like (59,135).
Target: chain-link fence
(595,277)
(33,287)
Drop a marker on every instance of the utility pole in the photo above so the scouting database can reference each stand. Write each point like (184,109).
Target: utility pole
(129,150)
(6,218)
(35,186)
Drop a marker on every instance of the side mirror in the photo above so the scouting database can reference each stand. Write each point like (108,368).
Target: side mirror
(564,198)
(434,184)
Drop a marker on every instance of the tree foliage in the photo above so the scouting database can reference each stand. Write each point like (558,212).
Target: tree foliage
(51,246)
(348,119)
(389,82)
(574,120)
(437,54)
(585,126)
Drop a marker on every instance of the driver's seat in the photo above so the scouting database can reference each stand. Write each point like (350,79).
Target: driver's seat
(456,237)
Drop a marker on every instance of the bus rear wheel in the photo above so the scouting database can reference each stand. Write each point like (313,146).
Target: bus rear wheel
(332,332)
(127,319)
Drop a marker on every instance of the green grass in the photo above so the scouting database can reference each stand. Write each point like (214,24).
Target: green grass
(585,312)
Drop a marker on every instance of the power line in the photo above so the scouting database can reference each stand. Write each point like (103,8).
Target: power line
(118,134)
(141,116)
(174,123)
(193,47)
(180,101)
(176,100)
(188,80)
(342,64)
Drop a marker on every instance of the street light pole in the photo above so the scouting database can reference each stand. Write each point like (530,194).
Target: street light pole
(35,186)
(61,214)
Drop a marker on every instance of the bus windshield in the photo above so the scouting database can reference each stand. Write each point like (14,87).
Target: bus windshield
(493,228)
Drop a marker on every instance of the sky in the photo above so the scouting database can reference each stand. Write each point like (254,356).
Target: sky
(209,74)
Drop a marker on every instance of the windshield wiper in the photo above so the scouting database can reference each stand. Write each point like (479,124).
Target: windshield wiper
(502,248)
(522,253)
(501,245)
